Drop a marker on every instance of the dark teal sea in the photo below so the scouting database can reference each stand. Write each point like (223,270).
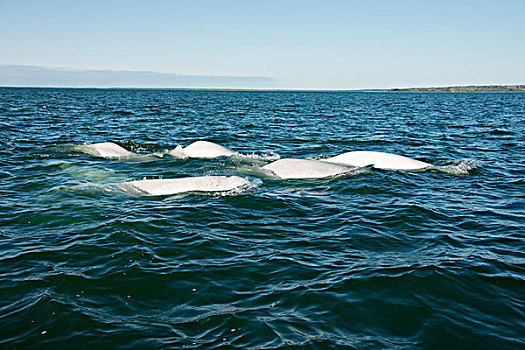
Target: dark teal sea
(379,260)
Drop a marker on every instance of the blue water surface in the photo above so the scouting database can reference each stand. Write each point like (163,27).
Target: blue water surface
(382,259)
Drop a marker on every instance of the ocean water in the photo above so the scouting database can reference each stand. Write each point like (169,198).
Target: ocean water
(380,259)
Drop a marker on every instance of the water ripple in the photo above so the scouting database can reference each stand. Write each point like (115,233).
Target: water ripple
(383,259)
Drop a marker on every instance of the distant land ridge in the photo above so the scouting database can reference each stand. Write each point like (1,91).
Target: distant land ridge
(471,88)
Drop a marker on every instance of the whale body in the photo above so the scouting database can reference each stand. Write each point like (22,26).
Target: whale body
(289,168)
(379,160)
(202,149)
(164,187)
(106,150)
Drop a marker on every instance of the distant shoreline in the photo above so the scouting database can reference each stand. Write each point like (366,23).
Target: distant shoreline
(449,89)
(471,88)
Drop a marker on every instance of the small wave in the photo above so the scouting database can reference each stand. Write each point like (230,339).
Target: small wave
(270,156)
(177,153)
(250,188)
(253,159)
(457,167)
(136,147)
(299,192)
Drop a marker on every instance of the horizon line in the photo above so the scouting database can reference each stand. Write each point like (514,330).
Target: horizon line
(518,87)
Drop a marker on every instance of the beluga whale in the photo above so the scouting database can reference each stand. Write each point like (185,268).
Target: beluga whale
(201,149)
(198,184)
(379,160)
(289,168)
(105,150)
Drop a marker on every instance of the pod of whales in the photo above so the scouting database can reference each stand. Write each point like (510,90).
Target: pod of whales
(348,163)
(164,187)
(207,149)
(379,160)
(289,168)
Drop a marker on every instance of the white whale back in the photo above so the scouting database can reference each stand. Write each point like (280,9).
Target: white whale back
(106,150)
(289,168)
(163,187)
(206,149)
(379,160)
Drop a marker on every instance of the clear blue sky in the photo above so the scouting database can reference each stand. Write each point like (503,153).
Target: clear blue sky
(303,44)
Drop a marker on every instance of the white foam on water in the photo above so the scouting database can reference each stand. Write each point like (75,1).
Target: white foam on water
(177,152)
(457,167)
(268,157)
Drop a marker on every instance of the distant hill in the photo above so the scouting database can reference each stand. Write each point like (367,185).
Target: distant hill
(487,88)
